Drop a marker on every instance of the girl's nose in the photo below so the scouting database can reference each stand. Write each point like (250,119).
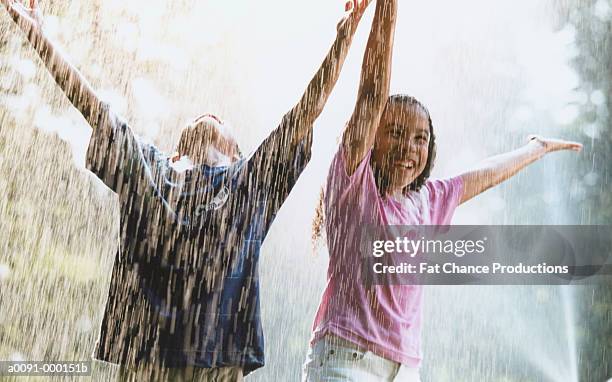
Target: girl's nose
(411,146)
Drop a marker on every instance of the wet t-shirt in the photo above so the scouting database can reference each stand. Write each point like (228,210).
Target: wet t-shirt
(384,319)
(185,287)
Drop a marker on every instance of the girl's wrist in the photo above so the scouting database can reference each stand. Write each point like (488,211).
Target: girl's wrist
(537,145)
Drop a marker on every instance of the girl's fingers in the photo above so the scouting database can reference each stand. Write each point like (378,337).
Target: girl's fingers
(566,145)
(348,6)
(32,4)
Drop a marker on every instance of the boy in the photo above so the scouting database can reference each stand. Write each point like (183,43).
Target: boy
(184,296)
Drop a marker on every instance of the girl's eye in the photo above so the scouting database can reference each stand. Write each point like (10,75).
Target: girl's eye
(421,140)
(396,133)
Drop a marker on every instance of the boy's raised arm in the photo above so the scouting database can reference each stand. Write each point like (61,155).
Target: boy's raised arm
(302,116)
(70,80)
(277,163)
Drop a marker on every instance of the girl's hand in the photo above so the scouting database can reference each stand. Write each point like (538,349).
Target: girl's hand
(552,144)
(354,10)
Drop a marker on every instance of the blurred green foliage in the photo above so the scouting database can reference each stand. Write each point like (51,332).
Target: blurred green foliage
(592,22)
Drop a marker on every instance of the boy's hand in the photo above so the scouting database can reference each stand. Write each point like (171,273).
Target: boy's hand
(354,10)
(31,15)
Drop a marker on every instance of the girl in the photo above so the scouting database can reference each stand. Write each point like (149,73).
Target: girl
(380,176)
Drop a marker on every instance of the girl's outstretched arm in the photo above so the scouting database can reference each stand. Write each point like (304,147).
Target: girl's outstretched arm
(496,169)
(360,131)
(74,85)
(307,110)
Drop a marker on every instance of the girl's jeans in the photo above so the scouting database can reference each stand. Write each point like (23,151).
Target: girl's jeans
(333,359)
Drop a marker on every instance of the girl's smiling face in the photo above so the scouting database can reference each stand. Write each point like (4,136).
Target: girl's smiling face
(401,147)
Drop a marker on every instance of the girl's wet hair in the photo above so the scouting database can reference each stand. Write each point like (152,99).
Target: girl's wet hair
(409,101)
(318,222)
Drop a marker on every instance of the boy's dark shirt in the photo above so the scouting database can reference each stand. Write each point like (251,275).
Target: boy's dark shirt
(184,289)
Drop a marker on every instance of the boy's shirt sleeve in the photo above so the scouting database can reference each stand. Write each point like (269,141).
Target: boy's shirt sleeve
(275,166)
(115,154)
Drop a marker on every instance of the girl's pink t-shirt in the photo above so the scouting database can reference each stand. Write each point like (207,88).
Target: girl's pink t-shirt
(384,319)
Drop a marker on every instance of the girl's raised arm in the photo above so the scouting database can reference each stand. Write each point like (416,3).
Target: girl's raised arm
(74,85)
(494,170)
(360,131)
